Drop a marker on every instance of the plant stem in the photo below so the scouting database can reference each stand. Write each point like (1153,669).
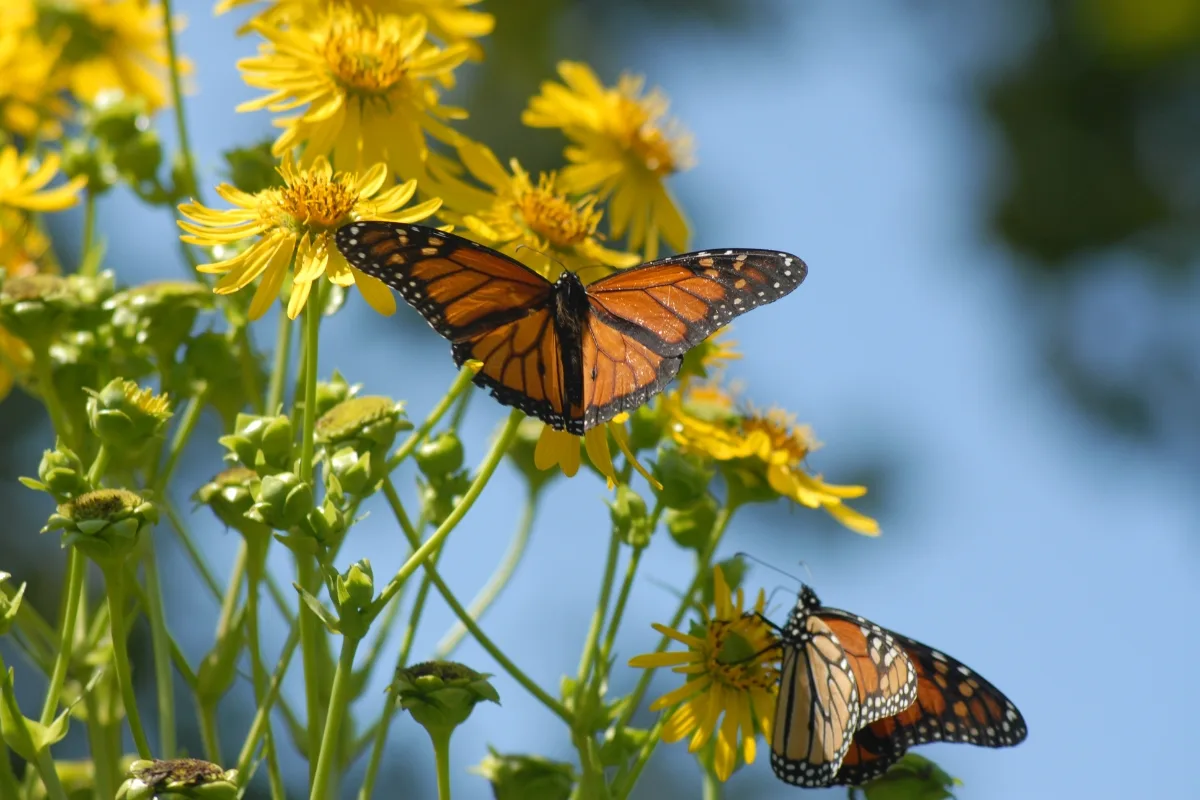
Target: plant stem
(339,699)
(114,584)
(194,554)
(76,569)
(160,646)
(441,753)
(415,438)
(587,658)
(487,644)
(210,735)
(241,337)
(43,376)
(310,656)
(99,465)
(185,148)
(614,621)
(87,264)
(183,432)
(312,332)
(256,560)
(102,760)
(711,788)
(279,369)
(499,579)
(259,725)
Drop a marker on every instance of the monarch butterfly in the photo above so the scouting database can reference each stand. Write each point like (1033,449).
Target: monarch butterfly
(854,696)
(570,355)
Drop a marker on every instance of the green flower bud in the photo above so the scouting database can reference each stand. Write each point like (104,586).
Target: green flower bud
(281,501)
(521,777)
(117,118)
(139,158)
(335,390)
(520,452)
(36,307)
(253,168)
(646,427)
(178,779)
(356,586)
(81,157)
(368,424)
(630,520)
(326,523)
(105,525)
(685,478)
(353,472)
(60,474)
(440,496)
(160,314)
(440,695)
(9,606)
(441,455)
(263,444)
(692,527)
(126,417)
(230,495)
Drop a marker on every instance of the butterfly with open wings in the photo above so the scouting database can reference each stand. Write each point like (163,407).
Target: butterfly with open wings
(571,355)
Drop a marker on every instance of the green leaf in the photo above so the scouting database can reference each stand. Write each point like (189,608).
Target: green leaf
(912,778)
(25,736)
(330,621)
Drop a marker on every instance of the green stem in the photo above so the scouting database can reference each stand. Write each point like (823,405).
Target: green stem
(102,760)
(99,465)
(44,377)
(241,338)
(210,735)
(339,699)
(279,369)
(259,725)
(441,753)
(87,264)
(312,332)
(255,567)
(185,147)
(465,375)
(500,578)
(183,432)
(189,545)
(160,645)
(422,551)
(310,655)
(487,644)
(614,621)
(711,788)
(114,584)
(76,569)
(588,657)
(8,780)
(460,408)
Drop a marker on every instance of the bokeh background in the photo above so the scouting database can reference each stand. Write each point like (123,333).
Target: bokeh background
(999,334)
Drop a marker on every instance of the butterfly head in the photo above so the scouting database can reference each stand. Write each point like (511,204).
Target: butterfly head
(807,603)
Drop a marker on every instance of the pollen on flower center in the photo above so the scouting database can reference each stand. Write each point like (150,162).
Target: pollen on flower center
(785,436)
(660,150)
(552,216)
(735,655)
(364,61)
(311,201)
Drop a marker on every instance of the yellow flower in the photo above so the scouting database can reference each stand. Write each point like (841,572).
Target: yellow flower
(15,360)
(623,147)
(450,21)
(561,449)
(295,224)
(770,444)
(368,85)
(532,222)
(110,45)
(30,100)
(731,664)
(23,182)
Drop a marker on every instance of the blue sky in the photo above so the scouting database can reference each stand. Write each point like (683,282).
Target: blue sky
(1053,560)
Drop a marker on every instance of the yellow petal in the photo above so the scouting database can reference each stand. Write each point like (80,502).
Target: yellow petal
(693,688)
(376,293)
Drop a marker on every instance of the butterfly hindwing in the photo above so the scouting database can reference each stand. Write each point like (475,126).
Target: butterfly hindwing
(460,287)
(673,304)
(620,373)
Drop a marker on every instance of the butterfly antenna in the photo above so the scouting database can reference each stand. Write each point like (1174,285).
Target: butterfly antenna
(550,258)
(785,573)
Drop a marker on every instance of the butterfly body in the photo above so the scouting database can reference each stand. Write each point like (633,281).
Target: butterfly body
(854,696)
(570,354)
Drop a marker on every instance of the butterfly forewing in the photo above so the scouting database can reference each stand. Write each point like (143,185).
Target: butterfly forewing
(460,287)
(620,373)
(675,303)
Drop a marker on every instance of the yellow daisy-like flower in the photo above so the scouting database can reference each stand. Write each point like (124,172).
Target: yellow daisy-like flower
(769,443)
(295,224)
(23,183)
(622,146)
(535,223)
(30,100)
(450,21)
(561,449)
(731,665)
(110,45)
(15,361)
(368,85)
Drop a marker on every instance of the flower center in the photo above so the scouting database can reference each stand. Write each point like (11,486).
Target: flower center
(552,216)
(312,201)
(103,503)
(656,149)
(363,59)
(736,654)
(783,433)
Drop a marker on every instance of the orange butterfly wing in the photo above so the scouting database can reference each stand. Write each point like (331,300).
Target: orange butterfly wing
(954,704)
(491,307)
(642,320)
